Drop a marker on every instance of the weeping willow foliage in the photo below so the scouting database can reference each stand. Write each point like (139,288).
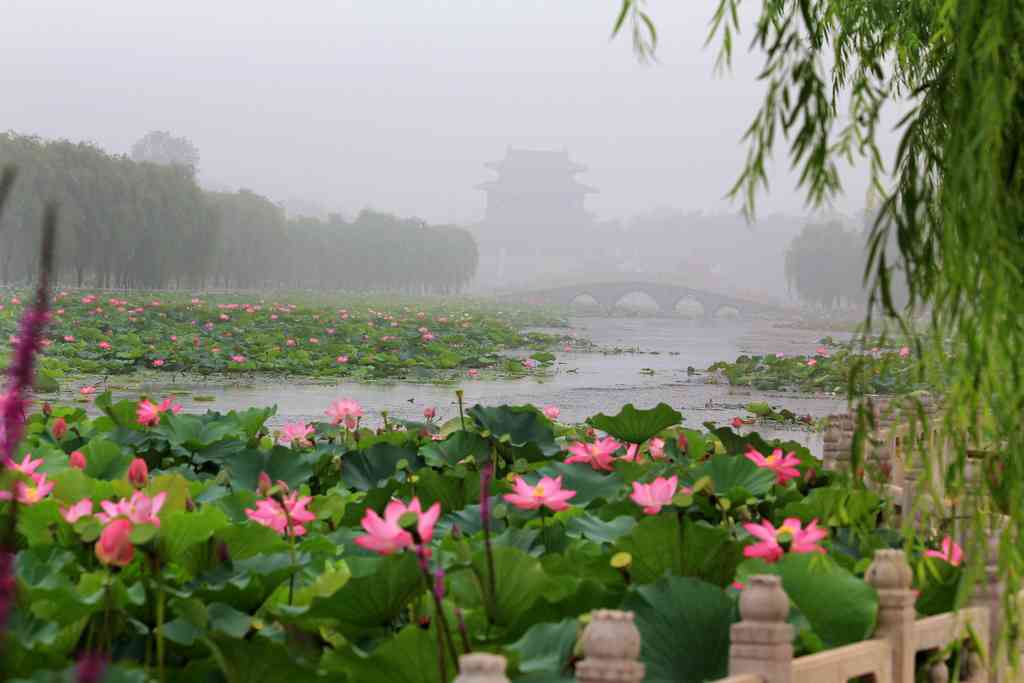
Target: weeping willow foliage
(128,224)
(951,223)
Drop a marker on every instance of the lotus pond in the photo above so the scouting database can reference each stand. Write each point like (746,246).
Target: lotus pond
(831,369)
(357,338)
(158,545)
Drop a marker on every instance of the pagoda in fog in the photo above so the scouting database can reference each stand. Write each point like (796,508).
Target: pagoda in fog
(535,208)
(535,187)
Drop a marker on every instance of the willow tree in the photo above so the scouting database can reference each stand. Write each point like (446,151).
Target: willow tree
(951,222)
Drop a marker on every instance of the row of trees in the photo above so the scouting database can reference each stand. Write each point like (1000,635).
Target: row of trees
(825,266)
(131,223)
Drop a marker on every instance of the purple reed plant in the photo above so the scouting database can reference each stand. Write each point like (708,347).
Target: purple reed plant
(486,475)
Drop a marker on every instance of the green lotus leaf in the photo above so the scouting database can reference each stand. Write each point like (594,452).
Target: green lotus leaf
(637,426)
(679,617)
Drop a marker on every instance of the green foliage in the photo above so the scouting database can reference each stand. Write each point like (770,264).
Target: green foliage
(245,602)
(637,426)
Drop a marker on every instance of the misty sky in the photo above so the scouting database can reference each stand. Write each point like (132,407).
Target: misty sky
(392,104)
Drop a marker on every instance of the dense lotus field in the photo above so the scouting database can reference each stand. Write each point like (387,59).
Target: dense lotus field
(877,370)
(157,545)
(359,338)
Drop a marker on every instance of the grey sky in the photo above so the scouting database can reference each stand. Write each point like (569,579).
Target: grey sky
(393,104)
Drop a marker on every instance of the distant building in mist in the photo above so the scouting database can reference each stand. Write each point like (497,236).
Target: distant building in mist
(535,215)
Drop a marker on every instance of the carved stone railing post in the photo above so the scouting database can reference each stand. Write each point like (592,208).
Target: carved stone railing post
(611,647)
(891,576)
(481,667)
(989,594)
(762,641)
(838,440)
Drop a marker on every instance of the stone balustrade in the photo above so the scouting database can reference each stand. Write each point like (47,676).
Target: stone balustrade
(761,643)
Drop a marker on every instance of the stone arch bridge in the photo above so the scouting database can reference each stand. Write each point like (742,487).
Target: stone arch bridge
(666,296)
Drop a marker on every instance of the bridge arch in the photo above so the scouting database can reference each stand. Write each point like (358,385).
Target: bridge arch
(689,306)
(726,311)
(584,299)
(638,299)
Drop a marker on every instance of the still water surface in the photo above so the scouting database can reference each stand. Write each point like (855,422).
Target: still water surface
(581,384)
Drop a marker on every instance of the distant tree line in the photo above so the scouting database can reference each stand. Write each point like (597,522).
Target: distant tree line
(132,223)
(825,266)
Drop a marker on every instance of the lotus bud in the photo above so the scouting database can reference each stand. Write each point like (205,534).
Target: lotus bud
(223,553)
(430,413)
(683,443)
(263,484)
(77,460)
(47,409)
(59,428)
(190,505)
(138,473)
(91,667)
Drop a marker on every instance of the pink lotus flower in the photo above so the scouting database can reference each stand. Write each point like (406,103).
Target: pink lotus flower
(430,412)
(345,410)
(238,358)
(27,466)
(29,493)
(385,535)
(780,354)
(632,451)
(82,508)
(552,412)
(548,493)
(951,552)
(811,362)
(314,340)
(473,372)
(530,363)
(289,342)
(114,546)
(295,431)
(656,447)
(567,348)
(69,338)
(785,467)
(904,351)
(59,428)
(799,540)
(427,337)
(104,345)
(342,359)
(139,509)
(598,454)
(736,423)
(821,351)
(87,391)
(77,460)
(148,413)
(652,497)
(293,513)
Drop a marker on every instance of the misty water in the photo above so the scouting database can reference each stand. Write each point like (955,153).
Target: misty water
(581,384)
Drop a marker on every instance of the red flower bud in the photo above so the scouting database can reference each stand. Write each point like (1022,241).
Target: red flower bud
(59,428)
(47,409)
(77,460)
(683,443)
(263,484)
(138,473)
